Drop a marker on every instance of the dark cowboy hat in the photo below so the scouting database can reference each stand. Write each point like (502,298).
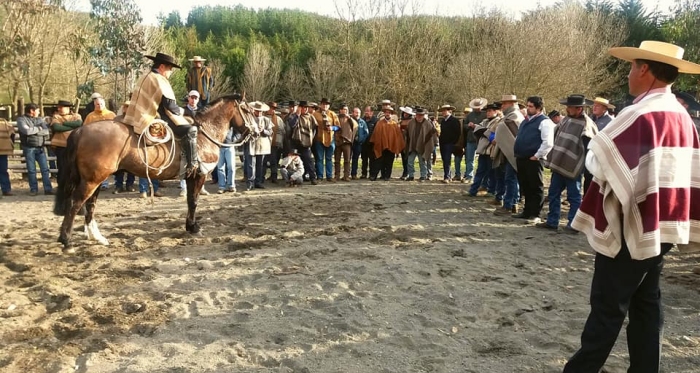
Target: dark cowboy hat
(689,100)
(420,110)
(576,100)
(492,106)
(304,103)
(272,104)
(553,114)
(325,101)
(64,103)
(293,103)
(164,58)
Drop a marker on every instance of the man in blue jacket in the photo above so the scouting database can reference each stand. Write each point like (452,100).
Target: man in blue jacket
(360,137)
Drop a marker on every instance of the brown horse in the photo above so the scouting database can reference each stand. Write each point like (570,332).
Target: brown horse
(96,151)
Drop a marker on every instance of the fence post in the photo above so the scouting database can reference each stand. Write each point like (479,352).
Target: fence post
(20,107)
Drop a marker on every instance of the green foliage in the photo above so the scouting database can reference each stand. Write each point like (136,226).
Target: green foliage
(682,29)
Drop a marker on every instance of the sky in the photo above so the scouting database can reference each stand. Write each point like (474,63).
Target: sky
(150,8)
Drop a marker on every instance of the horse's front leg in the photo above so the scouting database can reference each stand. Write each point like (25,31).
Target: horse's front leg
(194,187)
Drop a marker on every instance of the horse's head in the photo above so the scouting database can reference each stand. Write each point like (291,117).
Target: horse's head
(231,111)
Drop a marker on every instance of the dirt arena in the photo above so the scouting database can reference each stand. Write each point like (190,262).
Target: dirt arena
(344,277)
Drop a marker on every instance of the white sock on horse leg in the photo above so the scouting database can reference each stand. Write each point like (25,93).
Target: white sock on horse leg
(95,232)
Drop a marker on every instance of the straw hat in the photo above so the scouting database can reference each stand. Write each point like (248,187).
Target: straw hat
(604,102)
(477,103)
(259,106)
(197,59)
(447,107)
(385,108)
(657,51)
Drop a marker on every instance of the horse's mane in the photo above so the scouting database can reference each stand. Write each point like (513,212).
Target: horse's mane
(216,103)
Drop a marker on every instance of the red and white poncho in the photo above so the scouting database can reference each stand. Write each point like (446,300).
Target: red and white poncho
(646,180)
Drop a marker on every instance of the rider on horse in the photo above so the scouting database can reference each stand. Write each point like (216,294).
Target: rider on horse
(154,97)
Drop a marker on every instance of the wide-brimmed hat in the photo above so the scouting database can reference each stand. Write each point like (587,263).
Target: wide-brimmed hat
(478,103)
(95,95)
(492,106)
(313,105)
(386,102)
(304,103)
(272,105)
(468,110)
(576,100)
(388,108)
(604,102)
(509,98)
(658,51)
(407,109)
(420,111)
(689,100)
(324,100)
(164,58)
(64,103)
(197,59)
(447,107)
(259,106)
(293,103)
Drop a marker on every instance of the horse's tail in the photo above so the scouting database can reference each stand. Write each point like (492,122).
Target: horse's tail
(64,194)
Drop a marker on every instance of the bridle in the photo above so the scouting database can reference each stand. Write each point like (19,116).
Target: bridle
(249,127)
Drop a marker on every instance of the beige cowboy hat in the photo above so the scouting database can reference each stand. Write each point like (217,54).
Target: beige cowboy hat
(386,102)
(477,103)
(658,51)
(407,109)
(604,102)
(391,109)
(509,98)
(259,106)
(197,59)
(447,107)
(468,110)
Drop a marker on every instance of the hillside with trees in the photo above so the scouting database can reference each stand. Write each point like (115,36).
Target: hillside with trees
(370,51)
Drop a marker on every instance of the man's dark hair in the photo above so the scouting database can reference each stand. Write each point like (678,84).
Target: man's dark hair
(30,106)
(536,101)
(661,71)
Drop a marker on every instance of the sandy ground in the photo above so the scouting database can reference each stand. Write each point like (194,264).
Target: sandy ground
(347,277)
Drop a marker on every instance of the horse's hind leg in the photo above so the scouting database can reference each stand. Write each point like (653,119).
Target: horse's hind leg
(194,186)
(91,230)
(78,198)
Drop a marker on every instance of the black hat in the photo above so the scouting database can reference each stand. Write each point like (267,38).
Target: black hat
(553,114)
(163,58)
(64,103)
(420,110)
(343,105)
(492,106)
(293,103)
(304,103)
(689,100)
(30,106)
(325,101)
(576,100)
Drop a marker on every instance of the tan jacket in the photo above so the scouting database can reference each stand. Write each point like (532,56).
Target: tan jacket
(145,100)
(7,147)
(60,139)
(325,134)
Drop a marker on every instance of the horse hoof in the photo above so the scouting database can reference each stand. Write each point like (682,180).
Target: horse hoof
(68,251)
(196,234)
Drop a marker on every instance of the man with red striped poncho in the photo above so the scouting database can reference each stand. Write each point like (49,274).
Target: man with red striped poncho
(644,199)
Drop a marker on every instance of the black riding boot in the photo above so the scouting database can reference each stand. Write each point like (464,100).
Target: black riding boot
(189,148)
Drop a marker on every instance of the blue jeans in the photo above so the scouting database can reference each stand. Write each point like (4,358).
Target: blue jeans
(143,185)
(324,155)
(421,164)
(446,155)
(224,169)
(33,156)
(483,169)
(499,188)
(573,195)
(119,179)
(469,155)
(356,152)
(512,188)
(5,185)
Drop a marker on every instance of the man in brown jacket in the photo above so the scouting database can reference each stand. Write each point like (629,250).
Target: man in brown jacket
(7,147)
(344,136)
(63,122)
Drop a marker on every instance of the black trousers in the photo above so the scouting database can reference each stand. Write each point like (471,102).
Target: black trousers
(404,163)
(384,164)
(587,178)
(305,155)
(367,157)
(60,164)
(273,159)
(621,286)
(531,185)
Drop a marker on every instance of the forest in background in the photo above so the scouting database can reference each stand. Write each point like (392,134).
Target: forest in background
(373,50)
